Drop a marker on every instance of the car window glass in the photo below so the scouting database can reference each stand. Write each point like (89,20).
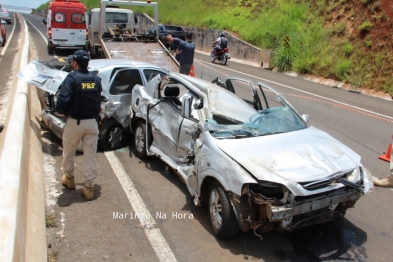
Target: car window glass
(124,81)
(60,17)
(116,18)
(151,73)
(78,18)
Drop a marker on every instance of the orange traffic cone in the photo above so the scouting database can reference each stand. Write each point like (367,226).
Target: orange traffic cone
(386,156)
(192,71)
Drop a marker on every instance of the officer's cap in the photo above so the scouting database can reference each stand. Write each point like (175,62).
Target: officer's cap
(81,55)
(70,58)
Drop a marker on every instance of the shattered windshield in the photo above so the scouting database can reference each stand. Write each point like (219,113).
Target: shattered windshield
(265,122)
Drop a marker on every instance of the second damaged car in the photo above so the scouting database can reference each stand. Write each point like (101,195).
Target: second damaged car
(246,153)
(118,77)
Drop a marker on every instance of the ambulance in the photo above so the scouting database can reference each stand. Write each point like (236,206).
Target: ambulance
(67,23)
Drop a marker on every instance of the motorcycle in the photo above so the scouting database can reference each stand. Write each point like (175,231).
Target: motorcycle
(222,55)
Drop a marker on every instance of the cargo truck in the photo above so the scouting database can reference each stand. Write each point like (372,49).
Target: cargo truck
(115,35)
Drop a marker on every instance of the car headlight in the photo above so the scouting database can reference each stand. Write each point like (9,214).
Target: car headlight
(270,191)
(354,177)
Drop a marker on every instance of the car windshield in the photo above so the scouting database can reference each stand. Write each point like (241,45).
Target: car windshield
(278,118)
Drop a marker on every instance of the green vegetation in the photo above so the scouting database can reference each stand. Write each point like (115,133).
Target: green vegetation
(50,221)
(365,27)
(323,35)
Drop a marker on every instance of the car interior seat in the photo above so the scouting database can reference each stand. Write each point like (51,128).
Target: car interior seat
(172,93)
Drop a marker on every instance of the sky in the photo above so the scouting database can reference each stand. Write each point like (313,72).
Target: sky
(23,3)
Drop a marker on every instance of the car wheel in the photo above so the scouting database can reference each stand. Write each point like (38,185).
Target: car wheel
(140,139)
(222,218)
(224,59)
(212,57)
(51,51)
(111,136)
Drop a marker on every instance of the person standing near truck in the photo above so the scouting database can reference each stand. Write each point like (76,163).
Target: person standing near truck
(186,51)
(80,100)
(174,43)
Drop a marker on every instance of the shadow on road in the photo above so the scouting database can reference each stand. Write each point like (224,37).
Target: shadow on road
(73,196)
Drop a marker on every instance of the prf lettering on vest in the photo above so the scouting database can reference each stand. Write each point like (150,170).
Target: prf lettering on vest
(88,86)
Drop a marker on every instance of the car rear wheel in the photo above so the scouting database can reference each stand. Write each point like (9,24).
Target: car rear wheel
(140,139)
(222,218)
(111,136)
(224,59)
(212,57)
(51,51)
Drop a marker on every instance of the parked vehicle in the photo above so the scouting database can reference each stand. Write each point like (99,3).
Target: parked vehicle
(66,25)
(163,30)
(118,77)
(246,153)
(5,16)
(114,35)
(3,30)
(222,55)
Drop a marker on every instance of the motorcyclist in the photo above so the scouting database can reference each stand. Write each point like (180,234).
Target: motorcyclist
(220,43)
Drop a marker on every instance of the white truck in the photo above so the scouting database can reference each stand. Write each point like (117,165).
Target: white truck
(113,35)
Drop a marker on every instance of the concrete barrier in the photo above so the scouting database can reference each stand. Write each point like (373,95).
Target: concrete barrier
(203,38)
(22,207)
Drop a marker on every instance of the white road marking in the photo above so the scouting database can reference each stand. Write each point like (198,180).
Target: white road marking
(156,239)
(42,35)
(203,63)
(8,37)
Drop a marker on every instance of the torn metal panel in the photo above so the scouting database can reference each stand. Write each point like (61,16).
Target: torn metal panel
(43,77)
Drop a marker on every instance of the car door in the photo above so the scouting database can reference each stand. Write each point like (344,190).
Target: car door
(245,90)
(121,84)
(165,119)
(150,73)
(187,128)
(170,129)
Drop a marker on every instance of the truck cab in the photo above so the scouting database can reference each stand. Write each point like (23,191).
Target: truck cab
(67,23)
(114,17)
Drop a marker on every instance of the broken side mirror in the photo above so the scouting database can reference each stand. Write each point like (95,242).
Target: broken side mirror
(199,104)
(44,21)
(186,106)
(305,117)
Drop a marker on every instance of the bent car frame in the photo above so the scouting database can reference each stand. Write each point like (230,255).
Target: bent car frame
(247,153)
(118,77)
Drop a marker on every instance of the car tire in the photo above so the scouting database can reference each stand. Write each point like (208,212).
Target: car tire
(222,220)
(111,136)
(212,57)
(224,59)
(51,51)
(140,139)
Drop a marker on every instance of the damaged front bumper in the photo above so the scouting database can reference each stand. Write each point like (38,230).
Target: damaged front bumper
(254,212)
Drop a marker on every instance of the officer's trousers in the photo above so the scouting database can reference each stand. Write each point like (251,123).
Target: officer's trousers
(87,131)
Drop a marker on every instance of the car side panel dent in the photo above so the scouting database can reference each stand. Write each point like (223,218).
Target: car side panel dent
(216,164)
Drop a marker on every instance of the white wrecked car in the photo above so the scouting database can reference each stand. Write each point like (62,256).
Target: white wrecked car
(118,77)
(250,156)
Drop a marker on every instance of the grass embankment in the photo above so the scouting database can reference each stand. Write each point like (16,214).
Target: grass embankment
(328,38)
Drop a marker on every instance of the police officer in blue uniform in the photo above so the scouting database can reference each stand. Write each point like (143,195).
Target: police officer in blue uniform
(80,100)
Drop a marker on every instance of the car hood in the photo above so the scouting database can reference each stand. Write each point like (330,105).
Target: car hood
(297,156)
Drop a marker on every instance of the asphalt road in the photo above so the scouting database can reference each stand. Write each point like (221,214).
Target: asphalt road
(92,231)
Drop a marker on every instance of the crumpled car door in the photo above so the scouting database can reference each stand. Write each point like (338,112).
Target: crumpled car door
(165,122)
(185,141)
